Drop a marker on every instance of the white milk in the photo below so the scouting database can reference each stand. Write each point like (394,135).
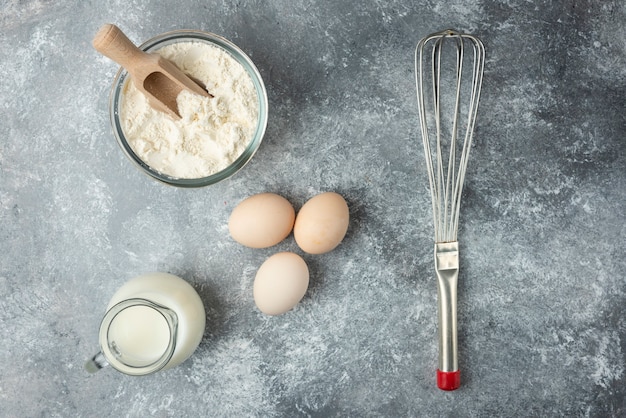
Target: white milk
(142,333)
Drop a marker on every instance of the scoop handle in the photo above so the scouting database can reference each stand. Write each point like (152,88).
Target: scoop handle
(111,42)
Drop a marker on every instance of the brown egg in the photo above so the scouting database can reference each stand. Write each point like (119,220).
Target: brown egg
(262,220)
(280,283)
(322,223)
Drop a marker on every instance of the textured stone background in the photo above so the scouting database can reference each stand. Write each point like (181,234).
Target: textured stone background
(542,289)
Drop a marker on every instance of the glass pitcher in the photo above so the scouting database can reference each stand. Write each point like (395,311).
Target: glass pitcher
(153,322)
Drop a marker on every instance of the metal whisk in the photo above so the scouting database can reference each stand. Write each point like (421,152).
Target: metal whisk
(440,133)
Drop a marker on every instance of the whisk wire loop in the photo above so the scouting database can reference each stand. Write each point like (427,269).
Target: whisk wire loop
(446,177)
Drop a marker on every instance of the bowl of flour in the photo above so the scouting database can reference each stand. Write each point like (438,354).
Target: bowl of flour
(215,137)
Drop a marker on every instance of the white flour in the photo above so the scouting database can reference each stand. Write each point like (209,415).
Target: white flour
(212,132)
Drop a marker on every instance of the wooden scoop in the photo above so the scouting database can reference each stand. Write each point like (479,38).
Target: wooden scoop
(156,77)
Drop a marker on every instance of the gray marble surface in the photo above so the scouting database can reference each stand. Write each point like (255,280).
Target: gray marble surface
(542,293)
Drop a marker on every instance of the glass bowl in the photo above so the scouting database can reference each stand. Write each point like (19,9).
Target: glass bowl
(159,41)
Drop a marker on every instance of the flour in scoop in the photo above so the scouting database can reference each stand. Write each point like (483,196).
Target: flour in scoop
(212,132)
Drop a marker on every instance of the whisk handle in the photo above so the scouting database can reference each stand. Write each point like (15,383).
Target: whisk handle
(447,267)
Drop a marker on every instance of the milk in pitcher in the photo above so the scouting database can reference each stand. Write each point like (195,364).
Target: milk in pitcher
(153,322)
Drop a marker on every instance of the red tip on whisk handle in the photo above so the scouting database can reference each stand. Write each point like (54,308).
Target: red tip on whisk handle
(448,380)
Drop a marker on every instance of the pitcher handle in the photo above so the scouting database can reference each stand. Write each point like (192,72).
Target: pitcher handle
(96,363)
